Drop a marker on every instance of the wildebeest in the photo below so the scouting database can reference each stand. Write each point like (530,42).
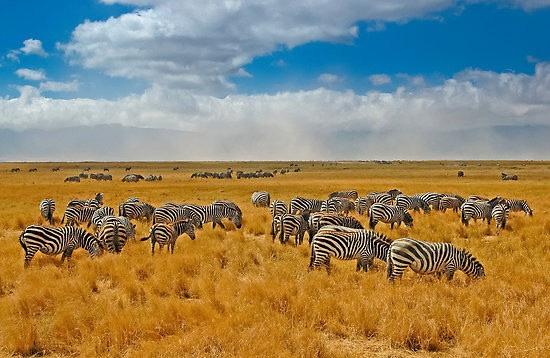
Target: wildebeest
(74,178)
(176,168)
(56,169)
(128,169)
(83,176)
(105,169)
(32,170)
(132,178)
(15,170)
(87,169)
(505,176)
(460,174)
(101,176)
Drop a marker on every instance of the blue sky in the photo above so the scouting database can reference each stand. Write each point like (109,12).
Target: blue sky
(280,68)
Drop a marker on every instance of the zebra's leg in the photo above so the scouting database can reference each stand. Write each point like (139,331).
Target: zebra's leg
(67,255)
(391,226)
(221,224)
(359,265)
(326,263)
(153,242)
(450,273)
(29,254)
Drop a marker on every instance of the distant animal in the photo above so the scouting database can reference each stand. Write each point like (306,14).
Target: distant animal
(261,199)
(430,258)
(15,170)
(388,214)
(56,240)
(347,244)
(500,214)
(349,194)
(460,174)
(87,169)
(56,169)
(519,205)
(153,178)
(83,176)
(176,168)
(478,210)
(128,169)
(75,178)
(132,178)
(505,176)
(47,208)
(105,169)
(33,170)
(167,234)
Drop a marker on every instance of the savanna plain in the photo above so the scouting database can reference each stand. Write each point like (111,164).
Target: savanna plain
(237,293)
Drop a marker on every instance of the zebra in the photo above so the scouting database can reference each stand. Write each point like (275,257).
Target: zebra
(411,202)
(348,194)
(500,214)
(364,203)
(478,210)
(318,220)
(77,215)
(347,244)
(113,235)
(450,202)
(171,213)
(389,214)
(56,240)
(47,208)
(431,199)
(99,215)
(130,228)
(95,202)
(338,205)
(136,210)
(261,199)
(292,224)
(519,205)
(217,211)
(166,234)
(300,204)
(430,258)
(477,198)
(277,209)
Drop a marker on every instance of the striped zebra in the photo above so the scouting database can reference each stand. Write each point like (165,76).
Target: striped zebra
(277,209)
(431,199)
(56,240)
(500,214)
(47,208)
(450,202)
(99,215)
(95,202)
(217,211)
(261,199)
(430,258)
(411,203)
(364,203)
(348,194)
(78,215)
(477,198)
(300,204)
(171,213)
(113,235)
(347,244)
(129,226)
(519,205)
(292,224)
(338,205)
(318,220)
(478,210)
(137,210)
(388,214)
(167,234)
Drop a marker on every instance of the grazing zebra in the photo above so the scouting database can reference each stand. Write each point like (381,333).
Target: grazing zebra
(364,203)
(113,235)
(47,208)
(261,199)
(338,205)
(500,214)
(431,199)
(430,258)
(411,203)
(519,205)
(450,202)
(78,215)
(478,210)
(99,215)
(318,220)
(299,204)
(394,192)
(170,213)
(292,224)
(388,214)
(95,202)
(166,234)
(505,176)
(349,194)
(130,228)
(277,209)
(476,198)
(347,244)
(217,211)
(56,240)
(136,210)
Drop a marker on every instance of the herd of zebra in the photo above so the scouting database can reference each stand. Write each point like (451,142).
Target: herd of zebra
(333,233)
(110,233)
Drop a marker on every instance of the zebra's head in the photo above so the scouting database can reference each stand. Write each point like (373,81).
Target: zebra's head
(236,217)
(470,265)
(407,218)
(526,208)
(91,244)
(424,206)
(99,198)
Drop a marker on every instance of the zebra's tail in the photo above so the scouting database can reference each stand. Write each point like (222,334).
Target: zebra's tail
(372,223)
(116,243)
(63,218)
(282,232)
(389,263)
(463,218)
(312,259)
(21,242)
(49,216)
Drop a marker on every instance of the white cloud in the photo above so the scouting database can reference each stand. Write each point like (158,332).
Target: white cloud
(31,75)
(329,78)
(379,79)
(33,47)
(13,55)
(54,86)
(412,80)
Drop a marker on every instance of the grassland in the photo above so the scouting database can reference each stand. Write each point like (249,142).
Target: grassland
(236,293)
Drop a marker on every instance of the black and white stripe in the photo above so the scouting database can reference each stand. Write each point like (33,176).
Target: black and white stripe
(519,205)
(318,220)
(411,203)
(261,199)
(47,208)
(95,202)
(338,205)
(478,210)
(167,234)
(292,224)
(171,213)
(137,210)
(348,194)
(347,244)
(500,214)
(77,215)
(388,214)
(300,204)
(430,198)
(430,258)
(113,235)
(56,240)
(99,215)
(277,209)
(217,211)
(450,202)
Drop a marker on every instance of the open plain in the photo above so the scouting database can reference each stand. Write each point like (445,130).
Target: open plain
(237,293)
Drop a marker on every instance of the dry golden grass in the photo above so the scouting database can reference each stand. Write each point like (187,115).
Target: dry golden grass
(236,294)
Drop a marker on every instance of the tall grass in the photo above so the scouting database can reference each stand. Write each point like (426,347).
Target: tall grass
(236,293)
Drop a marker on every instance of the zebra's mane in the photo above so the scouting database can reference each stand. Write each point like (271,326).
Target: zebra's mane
(380,236)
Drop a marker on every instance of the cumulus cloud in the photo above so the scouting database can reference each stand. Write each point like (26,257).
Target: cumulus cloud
(30,47)
(54,86)
(379,79)
(31,75)
(329,78)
